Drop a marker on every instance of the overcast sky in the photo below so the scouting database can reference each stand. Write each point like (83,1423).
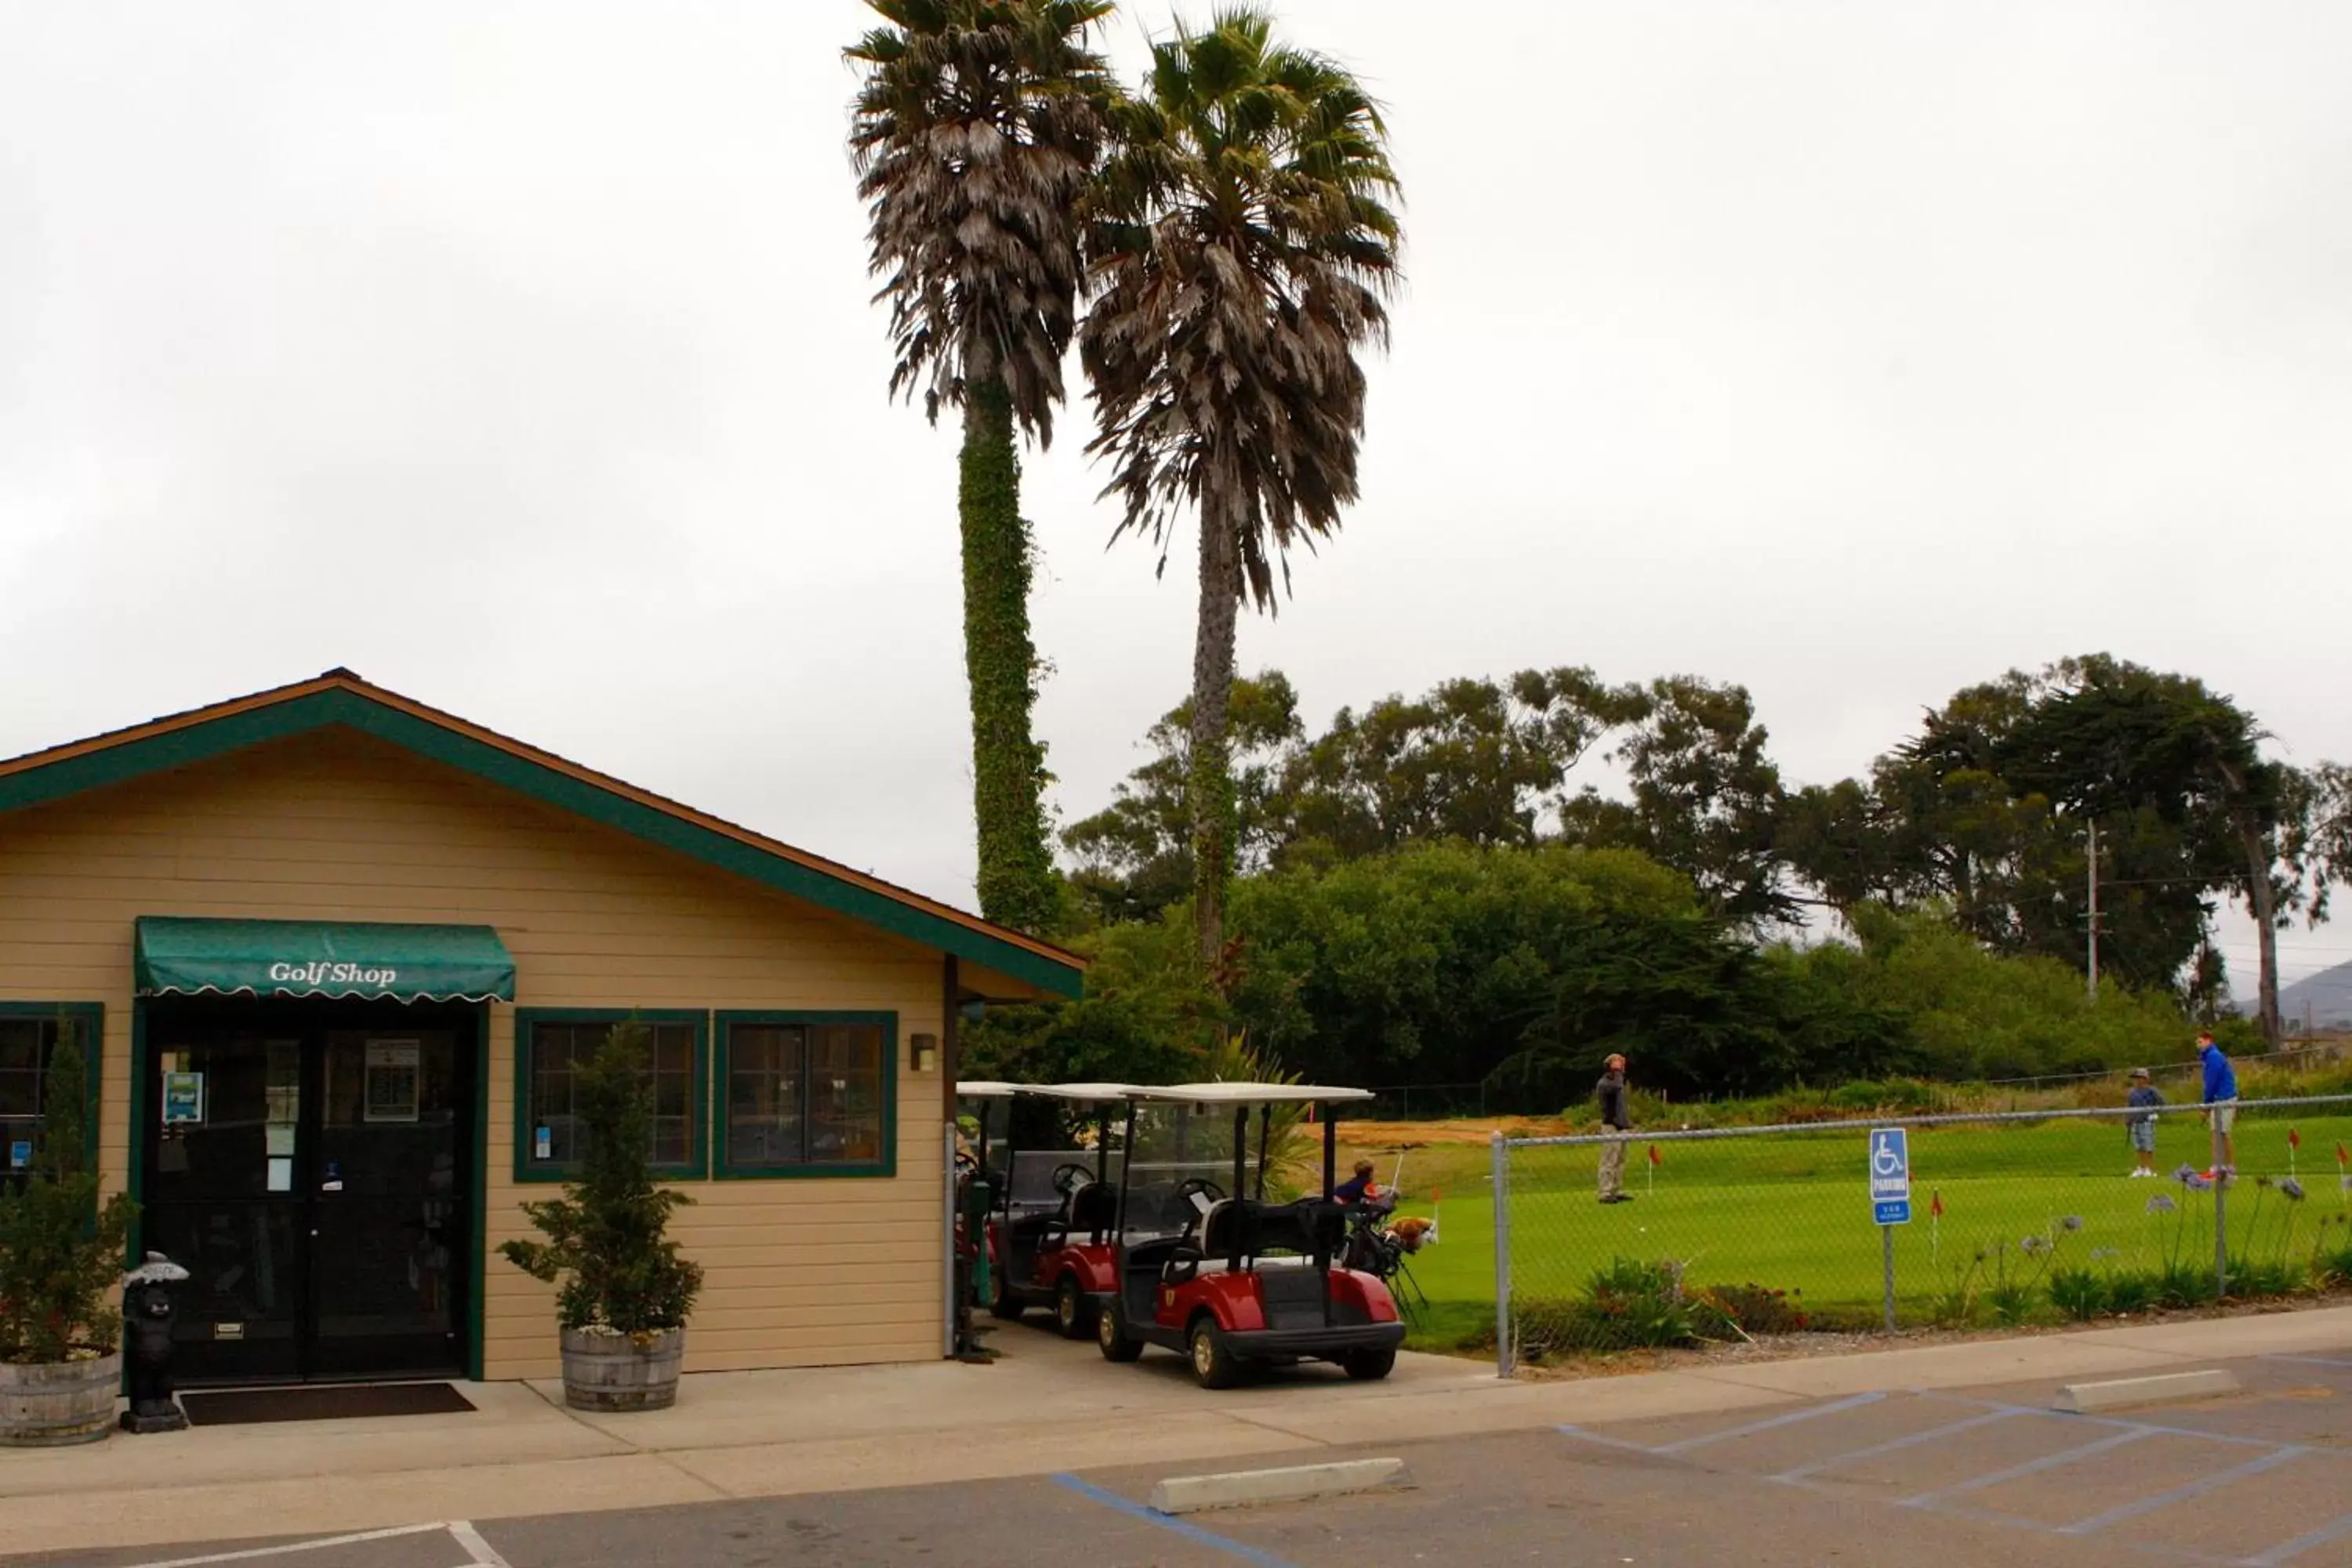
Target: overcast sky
(519,358)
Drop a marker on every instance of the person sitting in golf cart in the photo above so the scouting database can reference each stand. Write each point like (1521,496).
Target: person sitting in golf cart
(1359,1188)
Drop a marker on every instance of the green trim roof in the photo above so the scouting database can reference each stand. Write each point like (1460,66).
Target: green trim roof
(342,698)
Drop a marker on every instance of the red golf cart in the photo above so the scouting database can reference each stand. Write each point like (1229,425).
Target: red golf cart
(1052,1236)
(1246,1282)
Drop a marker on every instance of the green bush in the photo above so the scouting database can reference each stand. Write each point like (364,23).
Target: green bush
(606,1246)
(1634,1305)
(2181,1284)
(2012,1302)
(60,1249)
(2080,1294)
(2132,1292)
(2261,1279)
(2331,1253)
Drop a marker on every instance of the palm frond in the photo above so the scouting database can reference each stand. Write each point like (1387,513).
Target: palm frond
(977,128)
(1242,246)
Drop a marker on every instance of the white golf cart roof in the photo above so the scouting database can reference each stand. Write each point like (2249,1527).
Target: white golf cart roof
(1253,1094)
(991,1089)
(1090,1094)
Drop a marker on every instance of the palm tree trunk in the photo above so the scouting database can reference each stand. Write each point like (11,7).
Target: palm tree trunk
(1008,766)
(2265,911)
(1210,782)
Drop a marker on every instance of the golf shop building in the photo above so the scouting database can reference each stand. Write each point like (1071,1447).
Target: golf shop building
(335,958)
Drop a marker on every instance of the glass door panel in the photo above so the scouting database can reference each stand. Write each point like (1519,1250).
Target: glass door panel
(220,1204)
(386,1245)
(311,1165)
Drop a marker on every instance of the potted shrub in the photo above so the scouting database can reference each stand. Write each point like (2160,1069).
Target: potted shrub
(624,1292)
(60,1256)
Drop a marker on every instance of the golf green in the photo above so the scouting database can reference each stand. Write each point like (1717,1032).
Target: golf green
(1792,1211)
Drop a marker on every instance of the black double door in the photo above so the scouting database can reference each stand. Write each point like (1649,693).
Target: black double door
(311,1164)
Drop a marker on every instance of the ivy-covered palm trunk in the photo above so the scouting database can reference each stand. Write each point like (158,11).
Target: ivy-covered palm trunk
(1008,766)
(1210,777)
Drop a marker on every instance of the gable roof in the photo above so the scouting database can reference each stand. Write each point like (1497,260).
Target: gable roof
(342,698)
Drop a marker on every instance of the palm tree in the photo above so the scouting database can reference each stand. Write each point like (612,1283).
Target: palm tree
(975,129)
(1241,248)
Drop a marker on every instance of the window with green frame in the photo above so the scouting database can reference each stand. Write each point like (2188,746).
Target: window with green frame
(30,1033)
(807,1094)
(551,1046)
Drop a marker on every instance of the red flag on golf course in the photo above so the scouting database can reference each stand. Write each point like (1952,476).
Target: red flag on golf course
(1935,1204)
(2294,1139)
(1653,1155)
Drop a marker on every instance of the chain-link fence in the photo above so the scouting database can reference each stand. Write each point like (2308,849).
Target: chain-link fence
(1432,1102)
(1680,1237)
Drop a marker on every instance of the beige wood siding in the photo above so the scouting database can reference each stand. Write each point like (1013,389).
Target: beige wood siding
(337,826)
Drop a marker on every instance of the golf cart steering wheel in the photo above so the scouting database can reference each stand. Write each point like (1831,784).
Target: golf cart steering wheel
(1191,1185)
(1069,1177)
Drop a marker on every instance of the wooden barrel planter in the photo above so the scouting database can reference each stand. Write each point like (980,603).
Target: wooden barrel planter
(52,1405)
(613,1372)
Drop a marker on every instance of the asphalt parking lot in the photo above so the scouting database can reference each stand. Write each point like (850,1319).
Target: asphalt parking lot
(1979,1476)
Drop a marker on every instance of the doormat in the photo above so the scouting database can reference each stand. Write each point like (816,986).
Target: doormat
(322,1401)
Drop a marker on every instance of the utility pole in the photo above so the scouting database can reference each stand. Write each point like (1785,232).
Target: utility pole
(2094,965)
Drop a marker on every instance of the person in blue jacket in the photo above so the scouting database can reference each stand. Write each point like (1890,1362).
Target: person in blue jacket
(2221,1101)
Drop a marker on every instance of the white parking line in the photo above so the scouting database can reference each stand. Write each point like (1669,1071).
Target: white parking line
(469,1540)
(1770,1423)
(2196,1488)
(467,1536)
(2031,1467)
(1912,1441)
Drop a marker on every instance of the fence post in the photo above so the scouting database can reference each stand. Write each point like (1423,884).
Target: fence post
(1503,1356)
(2220,1214)
(1886,1263)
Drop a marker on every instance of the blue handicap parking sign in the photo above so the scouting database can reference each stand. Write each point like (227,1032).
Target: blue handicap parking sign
(1890,1175)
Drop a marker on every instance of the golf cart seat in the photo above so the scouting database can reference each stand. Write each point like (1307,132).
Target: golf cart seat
(1093,1208)
(1302,1235)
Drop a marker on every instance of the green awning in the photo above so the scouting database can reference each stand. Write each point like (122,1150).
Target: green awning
(302,958)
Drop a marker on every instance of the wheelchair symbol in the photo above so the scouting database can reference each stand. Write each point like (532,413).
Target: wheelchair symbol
(1884,1159)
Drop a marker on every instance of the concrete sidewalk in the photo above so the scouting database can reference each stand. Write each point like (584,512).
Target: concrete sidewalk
(1047,1406)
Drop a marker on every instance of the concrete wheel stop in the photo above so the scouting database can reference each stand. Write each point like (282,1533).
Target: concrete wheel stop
(1290,1483)
(2128,1392)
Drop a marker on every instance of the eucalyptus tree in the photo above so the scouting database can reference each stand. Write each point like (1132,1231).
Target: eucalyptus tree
(977,126)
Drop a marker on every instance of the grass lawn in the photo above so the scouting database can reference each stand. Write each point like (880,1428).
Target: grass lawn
(1792,1212)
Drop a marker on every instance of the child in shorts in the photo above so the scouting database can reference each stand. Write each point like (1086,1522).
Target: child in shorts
(2144,1098)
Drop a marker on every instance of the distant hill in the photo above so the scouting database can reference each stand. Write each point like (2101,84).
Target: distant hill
(2329,992)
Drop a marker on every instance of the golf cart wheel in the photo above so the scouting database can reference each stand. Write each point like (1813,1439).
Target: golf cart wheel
(1214,1365)
(1370,1366)
(1001,1304)
(1112,1339)
(1072,1309)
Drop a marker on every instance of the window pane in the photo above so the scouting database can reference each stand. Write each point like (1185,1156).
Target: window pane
(763,1095)
(559,1050)
(844,1093)
(27,1047)
(21,1061)
(673,1140)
